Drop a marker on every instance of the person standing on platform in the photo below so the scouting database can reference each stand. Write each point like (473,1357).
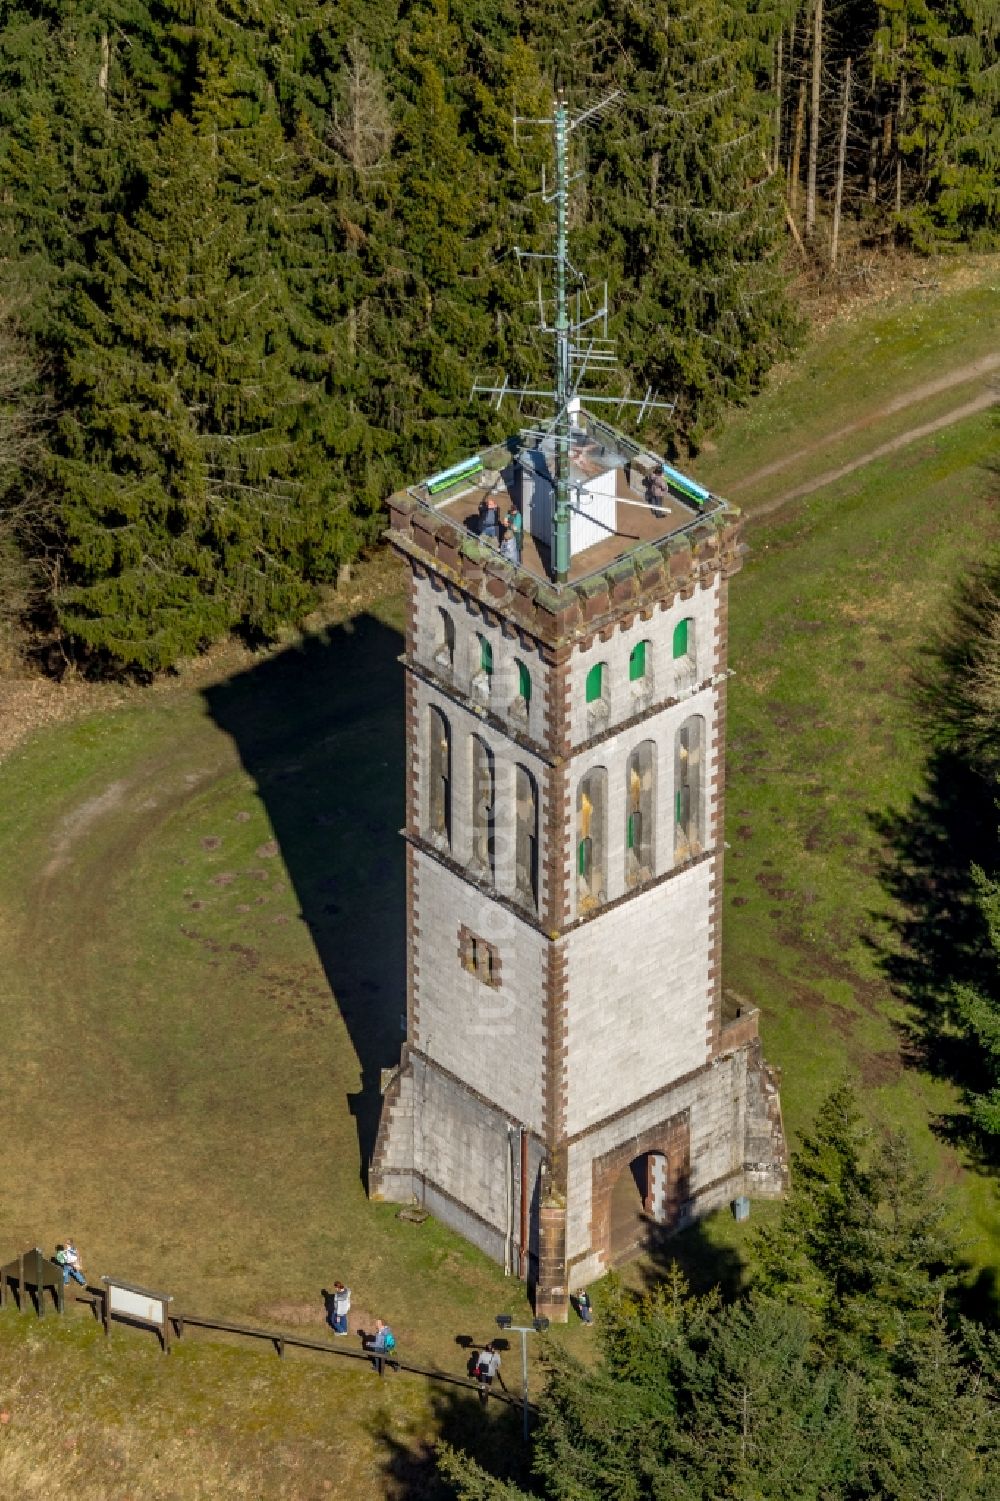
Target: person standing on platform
(489,520)
(516,523)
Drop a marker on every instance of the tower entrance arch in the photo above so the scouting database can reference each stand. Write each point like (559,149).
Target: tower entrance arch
(639,1189)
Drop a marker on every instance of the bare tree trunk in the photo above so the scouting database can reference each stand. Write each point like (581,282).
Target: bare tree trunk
(841,158)
(796,164)
(791,76)
(777,104)
(105,68)
(817,65)
(873,166)
(899,155)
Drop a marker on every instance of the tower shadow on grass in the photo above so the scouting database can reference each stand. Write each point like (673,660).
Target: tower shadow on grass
(319,728)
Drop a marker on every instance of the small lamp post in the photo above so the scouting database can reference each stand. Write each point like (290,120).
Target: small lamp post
(537,1326)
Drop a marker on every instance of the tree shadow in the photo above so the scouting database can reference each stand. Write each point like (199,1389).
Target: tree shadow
(492,1437)
(936,939)
(705,1264)
(319,728)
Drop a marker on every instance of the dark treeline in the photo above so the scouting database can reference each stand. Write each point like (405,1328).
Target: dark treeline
(253,255)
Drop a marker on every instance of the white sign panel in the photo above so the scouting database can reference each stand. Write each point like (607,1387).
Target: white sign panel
(137,1305)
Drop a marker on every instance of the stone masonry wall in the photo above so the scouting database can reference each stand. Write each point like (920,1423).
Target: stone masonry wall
(463,1162)
(490,1036)
(665,678)
(714,1102)
(638,1014)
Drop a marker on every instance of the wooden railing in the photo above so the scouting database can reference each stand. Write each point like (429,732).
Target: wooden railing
(96,1298)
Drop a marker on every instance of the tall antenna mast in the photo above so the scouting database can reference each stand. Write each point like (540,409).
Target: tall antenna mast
(575,350)
(561,522)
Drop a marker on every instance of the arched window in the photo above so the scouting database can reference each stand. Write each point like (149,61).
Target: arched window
(444,641)
(526,839)
(684,652)
(439,799)
(638,662)
(640,815)
(688,753)
(482,668)
(596,693)
(591,840)
(521,698)
(483,793)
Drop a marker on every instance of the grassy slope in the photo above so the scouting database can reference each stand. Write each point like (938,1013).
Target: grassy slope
(828,620)
(192,1012)
(862,361)
(192,1004)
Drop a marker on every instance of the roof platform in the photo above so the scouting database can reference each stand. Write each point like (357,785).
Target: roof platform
(643,505)
(642,531)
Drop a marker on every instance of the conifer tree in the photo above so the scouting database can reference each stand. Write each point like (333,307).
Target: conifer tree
(934,1435)
(182,496)
(861,1241)
(682,179)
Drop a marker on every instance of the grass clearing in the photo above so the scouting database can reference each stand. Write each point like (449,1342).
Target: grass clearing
(201,970)
(833,608)
(852,369)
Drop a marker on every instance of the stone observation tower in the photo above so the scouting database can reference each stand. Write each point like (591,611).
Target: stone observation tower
(571,1079)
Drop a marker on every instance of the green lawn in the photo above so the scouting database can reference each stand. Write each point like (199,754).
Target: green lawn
(859,364)
(201,953)
(828,621)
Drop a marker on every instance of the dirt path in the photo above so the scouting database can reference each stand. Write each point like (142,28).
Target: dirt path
(980,403)
(975,370)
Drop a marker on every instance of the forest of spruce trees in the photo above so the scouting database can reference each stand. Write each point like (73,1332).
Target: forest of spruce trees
(254,253)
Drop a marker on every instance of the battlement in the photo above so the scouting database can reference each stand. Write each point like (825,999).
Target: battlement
(641,540)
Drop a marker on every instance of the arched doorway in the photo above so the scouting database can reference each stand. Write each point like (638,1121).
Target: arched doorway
(639,1190)
(639,1206)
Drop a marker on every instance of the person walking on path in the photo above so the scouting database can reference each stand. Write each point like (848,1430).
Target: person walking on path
(381,1346)
(68,1257)
(340,1307)
(583,1306)
(488,1367)
(508,547)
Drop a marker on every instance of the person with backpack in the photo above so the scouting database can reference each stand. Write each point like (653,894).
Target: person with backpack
(488,1366)
(381,1346)
(339,1307)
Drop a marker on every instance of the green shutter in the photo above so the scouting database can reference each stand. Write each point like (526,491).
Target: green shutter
(677,807)
(524,682)
(594,682)
(637,662)
(631,831)
(581,857)
(681,639)
(485,655)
